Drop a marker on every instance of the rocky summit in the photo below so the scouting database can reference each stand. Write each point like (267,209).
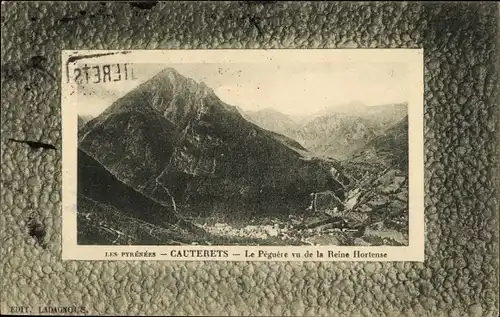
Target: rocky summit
(173,140)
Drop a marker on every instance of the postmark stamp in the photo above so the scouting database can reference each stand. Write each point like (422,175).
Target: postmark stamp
(243,155)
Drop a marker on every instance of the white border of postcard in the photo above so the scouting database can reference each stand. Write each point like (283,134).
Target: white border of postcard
(413,252)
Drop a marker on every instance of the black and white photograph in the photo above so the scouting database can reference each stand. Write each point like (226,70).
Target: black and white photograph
(243,154)
(267,152)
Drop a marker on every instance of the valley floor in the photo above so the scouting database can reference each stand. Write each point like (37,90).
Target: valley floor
(316,229)
(375,213)
(109,227)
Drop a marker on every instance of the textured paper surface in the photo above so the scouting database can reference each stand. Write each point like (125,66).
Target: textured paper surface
(460,274)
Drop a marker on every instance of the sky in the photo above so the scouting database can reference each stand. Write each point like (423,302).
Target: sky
(292,88)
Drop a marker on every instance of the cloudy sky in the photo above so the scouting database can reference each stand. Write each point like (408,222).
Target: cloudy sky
(292,88)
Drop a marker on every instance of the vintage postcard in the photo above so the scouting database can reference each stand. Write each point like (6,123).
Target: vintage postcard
(243,155)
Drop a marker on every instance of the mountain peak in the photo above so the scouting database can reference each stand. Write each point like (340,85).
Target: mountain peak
(168,71)
(186,148)
(170,75)
(174,96)
(352,106)
(176,79)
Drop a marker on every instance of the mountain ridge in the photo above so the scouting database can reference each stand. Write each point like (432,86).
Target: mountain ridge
(174,140)
(388,148)
(334,132)
(103,196)
(83,120)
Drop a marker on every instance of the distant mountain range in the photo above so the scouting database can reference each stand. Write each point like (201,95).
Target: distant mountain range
(273,120)
(176,142)
(171,149)
(335,132)
(389,148)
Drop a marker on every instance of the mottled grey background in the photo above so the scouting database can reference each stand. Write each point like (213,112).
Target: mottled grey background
(460,275)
